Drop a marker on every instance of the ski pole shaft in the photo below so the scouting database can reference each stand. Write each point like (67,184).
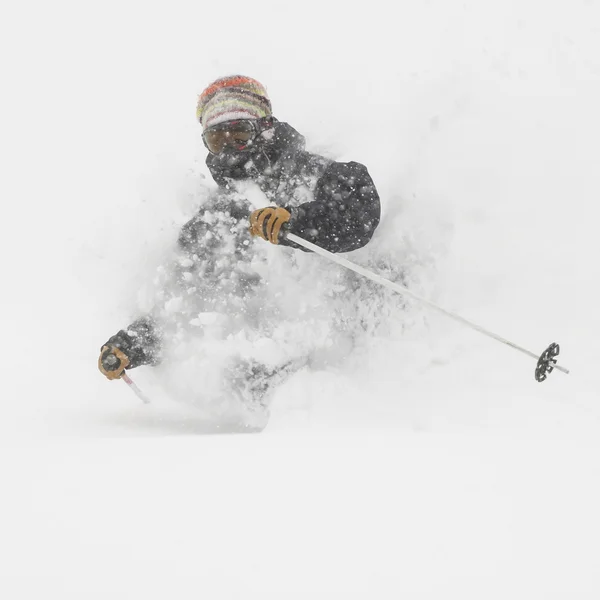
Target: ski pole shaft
(402,290)
(134,388)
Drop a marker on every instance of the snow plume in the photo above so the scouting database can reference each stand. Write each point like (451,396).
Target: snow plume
(240,316)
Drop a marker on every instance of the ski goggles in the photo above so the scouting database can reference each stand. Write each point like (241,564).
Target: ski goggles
(233,134)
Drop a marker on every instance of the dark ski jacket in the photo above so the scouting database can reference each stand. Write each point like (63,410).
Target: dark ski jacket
(332,204)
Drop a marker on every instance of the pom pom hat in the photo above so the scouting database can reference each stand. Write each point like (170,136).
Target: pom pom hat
(230,98)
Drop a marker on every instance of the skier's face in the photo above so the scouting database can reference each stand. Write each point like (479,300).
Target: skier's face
(232,135)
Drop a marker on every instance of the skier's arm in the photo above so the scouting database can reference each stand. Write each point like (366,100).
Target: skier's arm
(195,267)
(344,213)
(137,345)
(140,343)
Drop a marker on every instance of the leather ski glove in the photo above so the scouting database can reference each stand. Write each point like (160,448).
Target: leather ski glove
(112,362)
(267,223)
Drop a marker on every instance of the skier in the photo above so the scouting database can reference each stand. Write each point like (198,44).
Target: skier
(334,205)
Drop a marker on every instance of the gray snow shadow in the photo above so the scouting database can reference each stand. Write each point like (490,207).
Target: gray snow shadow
(163,423)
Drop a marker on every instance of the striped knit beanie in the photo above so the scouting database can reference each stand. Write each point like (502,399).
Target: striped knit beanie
(234,97)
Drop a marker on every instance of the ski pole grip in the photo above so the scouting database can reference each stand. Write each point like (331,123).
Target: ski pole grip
(113,359)
(111,362)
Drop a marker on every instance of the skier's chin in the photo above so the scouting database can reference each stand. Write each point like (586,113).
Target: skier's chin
(233,159)
(237,165)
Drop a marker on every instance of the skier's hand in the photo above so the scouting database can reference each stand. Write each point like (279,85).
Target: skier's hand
(267,223)
(112,362)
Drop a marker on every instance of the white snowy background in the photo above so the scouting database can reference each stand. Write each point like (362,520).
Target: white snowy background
(430,466)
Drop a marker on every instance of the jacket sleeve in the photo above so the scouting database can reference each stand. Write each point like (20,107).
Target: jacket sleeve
(140,342)
(208,245)
(344,213)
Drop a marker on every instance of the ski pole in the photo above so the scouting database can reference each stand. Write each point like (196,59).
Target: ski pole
(546,362)
(136,390)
